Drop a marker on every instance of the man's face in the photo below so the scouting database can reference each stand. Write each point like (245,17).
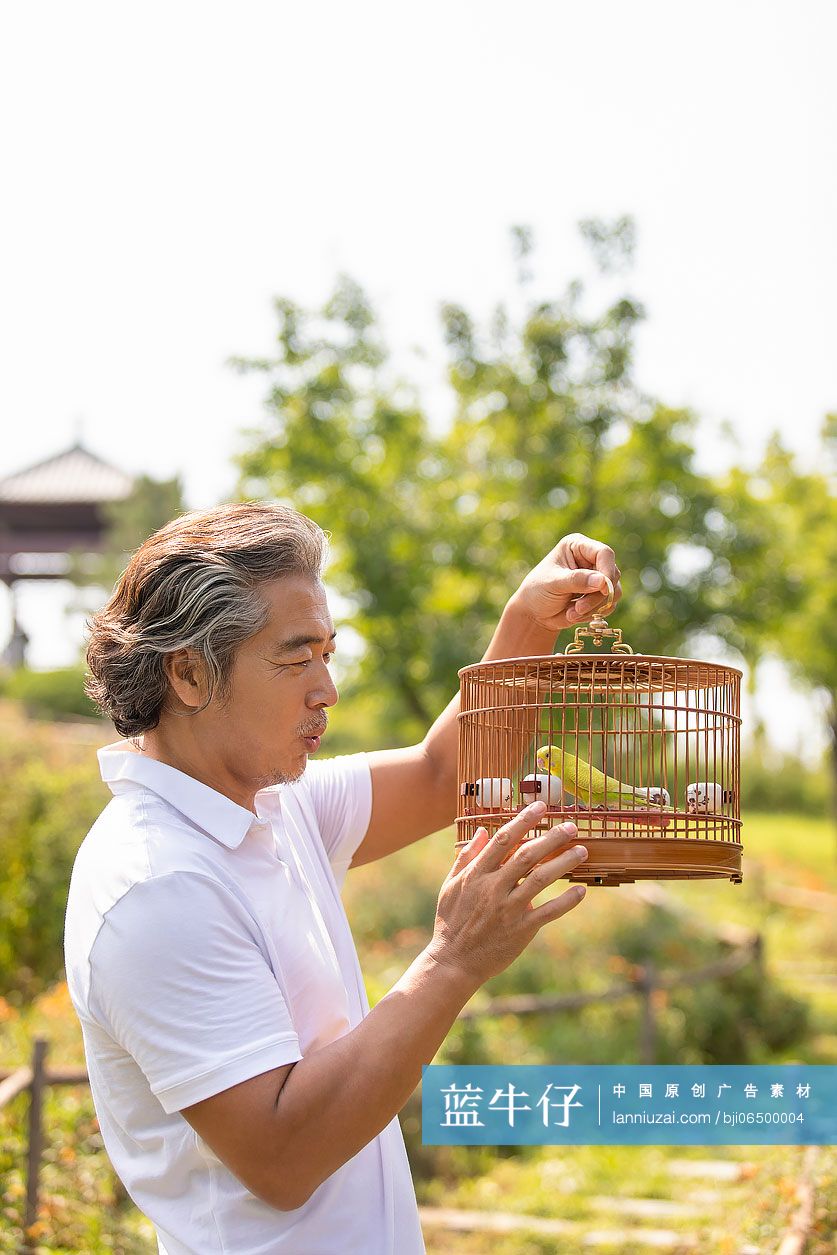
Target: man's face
(278,692)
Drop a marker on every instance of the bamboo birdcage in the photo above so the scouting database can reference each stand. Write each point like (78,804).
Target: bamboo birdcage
(664,731)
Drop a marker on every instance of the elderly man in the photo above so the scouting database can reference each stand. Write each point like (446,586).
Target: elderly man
(246,1094)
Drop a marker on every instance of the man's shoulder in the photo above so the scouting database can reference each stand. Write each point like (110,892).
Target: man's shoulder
(134,835)
(135,810)
(135,839)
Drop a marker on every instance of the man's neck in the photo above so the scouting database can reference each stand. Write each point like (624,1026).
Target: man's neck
(191,758)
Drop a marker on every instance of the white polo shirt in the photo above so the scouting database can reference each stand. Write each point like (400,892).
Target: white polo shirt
(204,945)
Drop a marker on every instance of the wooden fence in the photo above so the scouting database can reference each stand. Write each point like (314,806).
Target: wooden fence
(34,1077)
(643,982)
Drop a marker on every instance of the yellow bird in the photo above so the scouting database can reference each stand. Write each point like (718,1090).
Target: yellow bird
(585,781)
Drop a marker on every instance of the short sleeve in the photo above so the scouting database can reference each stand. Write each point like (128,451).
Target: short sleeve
(341,794)
(180,981)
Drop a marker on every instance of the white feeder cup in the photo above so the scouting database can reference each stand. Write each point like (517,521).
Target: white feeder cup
(656,796)
(538,788)
(493,793)
(706,798)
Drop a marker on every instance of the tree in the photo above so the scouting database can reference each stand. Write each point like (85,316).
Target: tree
(551,436)
(431,534)
(779,543)
(356,455)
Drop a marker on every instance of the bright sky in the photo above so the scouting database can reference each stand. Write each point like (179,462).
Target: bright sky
(170,167)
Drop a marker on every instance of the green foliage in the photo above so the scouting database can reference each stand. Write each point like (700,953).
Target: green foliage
(776,545)
(431,534)
(741,1018)
(744,1017)
(551,436)
(780,782)
(803,515)
(344,452)
(748,1015)
(613,244)
(46,807)
(48,694)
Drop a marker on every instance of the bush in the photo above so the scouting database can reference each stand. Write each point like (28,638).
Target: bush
(46,808)
(772,782)
(737,1019)
(49,694)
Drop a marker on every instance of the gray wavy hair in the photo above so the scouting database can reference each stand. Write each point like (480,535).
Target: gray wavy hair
(194,584)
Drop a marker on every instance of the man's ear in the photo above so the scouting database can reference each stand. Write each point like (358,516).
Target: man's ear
(186,673)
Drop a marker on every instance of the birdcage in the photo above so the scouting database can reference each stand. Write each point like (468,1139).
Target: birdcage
(641,752)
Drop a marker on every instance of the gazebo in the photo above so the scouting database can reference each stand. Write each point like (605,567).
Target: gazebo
(47,511)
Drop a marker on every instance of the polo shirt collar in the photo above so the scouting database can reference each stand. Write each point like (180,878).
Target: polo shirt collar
(214,812)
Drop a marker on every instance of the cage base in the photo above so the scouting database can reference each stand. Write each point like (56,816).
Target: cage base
(619,861)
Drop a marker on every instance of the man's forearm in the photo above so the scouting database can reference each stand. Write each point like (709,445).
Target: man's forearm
(516,636)
(338,1099)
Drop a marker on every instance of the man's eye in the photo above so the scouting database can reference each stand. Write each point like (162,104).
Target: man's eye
(304,663)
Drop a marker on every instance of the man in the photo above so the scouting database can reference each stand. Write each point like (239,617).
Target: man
(246,1094)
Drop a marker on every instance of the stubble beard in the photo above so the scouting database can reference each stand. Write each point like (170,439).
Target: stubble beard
(279,777)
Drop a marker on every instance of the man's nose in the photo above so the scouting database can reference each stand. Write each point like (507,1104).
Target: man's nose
(327,694)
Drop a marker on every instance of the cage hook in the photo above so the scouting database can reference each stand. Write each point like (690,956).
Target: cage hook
(597,629)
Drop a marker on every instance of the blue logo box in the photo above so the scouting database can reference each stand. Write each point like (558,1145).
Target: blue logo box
(630,1105)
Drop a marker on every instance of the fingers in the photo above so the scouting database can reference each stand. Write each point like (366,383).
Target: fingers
(584,607)
(470,851)
(601,558)
(557,907)
(548,872)
(583,580)
(595,554)
(536,848)
(507,837)
(606,563)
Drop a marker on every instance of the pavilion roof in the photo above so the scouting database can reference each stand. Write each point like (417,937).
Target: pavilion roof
(76,475)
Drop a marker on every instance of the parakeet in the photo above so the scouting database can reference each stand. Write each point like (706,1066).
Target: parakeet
(591,786)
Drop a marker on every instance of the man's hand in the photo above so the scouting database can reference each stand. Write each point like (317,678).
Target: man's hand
(484,916)
(566,586)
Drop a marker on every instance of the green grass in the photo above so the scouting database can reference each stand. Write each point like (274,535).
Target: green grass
(571,1184)
(805,847)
